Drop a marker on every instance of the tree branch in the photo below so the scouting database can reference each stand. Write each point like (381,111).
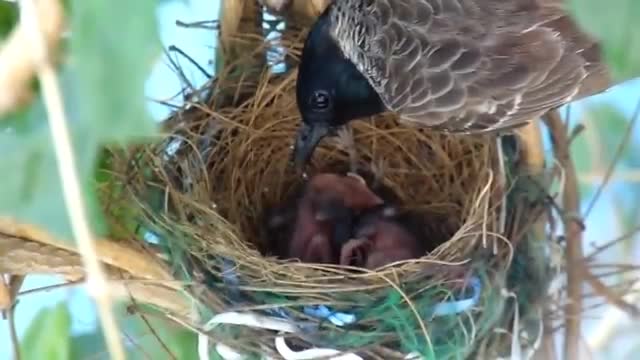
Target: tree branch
(573,231)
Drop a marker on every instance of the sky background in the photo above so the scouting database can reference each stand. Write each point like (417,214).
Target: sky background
(602,225)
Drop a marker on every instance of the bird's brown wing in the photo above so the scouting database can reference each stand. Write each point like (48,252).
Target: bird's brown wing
(469,65)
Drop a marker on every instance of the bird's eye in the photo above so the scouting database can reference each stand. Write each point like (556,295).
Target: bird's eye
(320,100)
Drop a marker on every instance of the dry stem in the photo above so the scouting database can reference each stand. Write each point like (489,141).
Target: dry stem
(111,252)
(96,280)
(22,256)
(573,230)
(5,295)
(15,341)
(616,300)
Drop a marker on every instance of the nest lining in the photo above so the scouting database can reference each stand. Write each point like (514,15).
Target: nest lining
(243,169)
(207,200)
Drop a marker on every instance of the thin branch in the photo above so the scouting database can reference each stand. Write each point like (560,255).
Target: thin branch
(599,249)
(9,287)
(573,230)
(612,318)
(204,72)
(72,191)
(152,330)
(616,300)
(173,64)
(13,333)
(616,158)
(5,293)
(15,284)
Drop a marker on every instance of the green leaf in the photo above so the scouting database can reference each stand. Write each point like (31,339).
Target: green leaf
(30,188)
(615,24)
(611,124)
(89,346)
(8,17)
(140,341)
(48,335)
(607,128)
(113,51)
(103,89)
(181,342)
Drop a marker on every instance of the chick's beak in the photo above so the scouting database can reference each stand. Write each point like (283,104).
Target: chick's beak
(307,140)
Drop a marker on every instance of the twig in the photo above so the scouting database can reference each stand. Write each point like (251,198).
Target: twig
(573,230)
(137,344)
(15,283)
(611,318)
(152,330)
(567,117)
(173,64)
(9,289)
(616,158)
(5,294)
(72,191)
(51,287)
(616,300)
(15,341)
(18,240)
(204,72)
(598,250)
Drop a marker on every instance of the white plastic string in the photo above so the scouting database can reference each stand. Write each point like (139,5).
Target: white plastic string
(252,320)
(313,353)
(263,322)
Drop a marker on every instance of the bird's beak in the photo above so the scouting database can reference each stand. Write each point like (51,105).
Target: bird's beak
(307,140)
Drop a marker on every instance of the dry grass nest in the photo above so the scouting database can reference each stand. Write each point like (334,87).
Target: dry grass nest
(205,189)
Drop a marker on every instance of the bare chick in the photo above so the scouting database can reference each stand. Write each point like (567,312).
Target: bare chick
(380,239)
(325,216)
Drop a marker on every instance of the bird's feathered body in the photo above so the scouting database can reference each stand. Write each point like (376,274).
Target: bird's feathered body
(467,65)
(451,65)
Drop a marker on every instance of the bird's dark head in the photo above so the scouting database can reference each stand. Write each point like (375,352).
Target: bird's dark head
(330,91)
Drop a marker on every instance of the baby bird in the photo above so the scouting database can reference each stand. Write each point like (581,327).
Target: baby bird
(325,216)
(462,66)
(380,239)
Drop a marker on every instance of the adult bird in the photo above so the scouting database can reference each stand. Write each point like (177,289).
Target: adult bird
(460,66)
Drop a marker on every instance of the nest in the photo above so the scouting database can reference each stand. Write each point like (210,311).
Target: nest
(202,195)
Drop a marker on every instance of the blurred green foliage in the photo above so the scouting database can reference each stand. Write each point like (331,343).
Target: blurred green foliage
(141,342)
(595,149)
(48,337)
(110,57)
(8,17)
(615,24)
